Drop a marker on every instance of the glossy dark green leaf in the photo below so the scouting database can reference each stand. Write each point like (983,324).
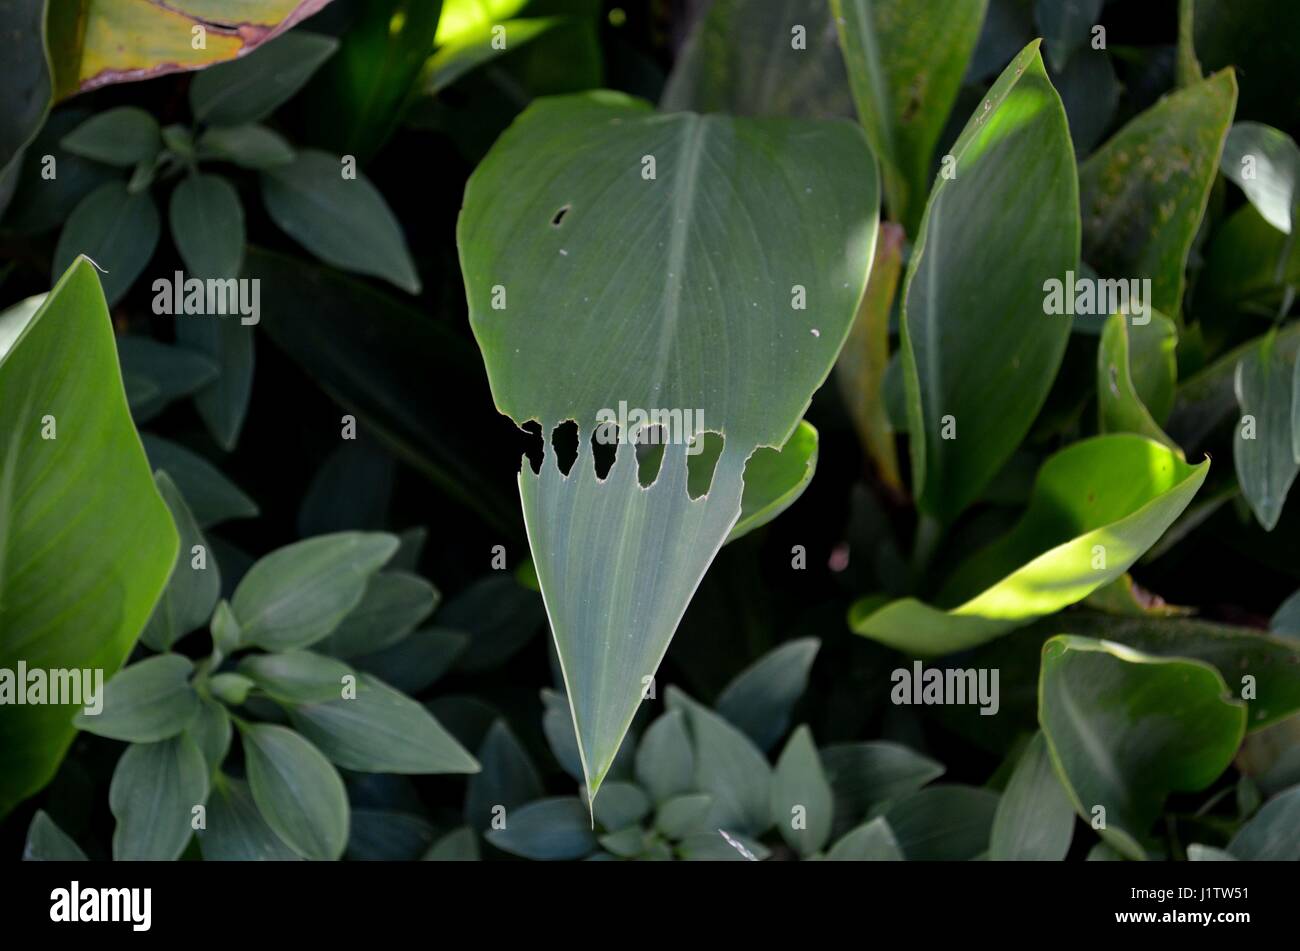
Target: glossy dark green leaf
(41,203)
(761,58)
(905,62)
(344,221)
(801,796)
(195,585)
(969,403)
(153,794)
(207,224)
(1096,507)
(250,88)
(25,71)
(297,791)
(236,831)
(149,701)
(46,842)
(223,403)
(1090,92)
(211,497)
(123,136)
(1143,193)
(1035,819)
(248,146)
(547,248)
(1264,444)
(380,730)
(299,594)
(115,229)
(548,829)
(1125,729)
(762,696)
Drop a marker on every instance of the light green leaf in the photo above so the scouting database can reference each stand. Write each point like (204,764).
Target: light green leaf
(207,223)
(801,796)
(210,496)
(146,702)
(1263,446)
(943,823)
(905,60)
(154,790)
(297,791)
(248,146)
(870,842)
(115,229)
(1265,164)
(1096,506)
(1143,193)
(343,221)
(453,60)
(507,779)
(381,731)
(299,594)
(394,604)
(1125,729)
(992,238)
(230,687)
(548,829)
(250,88)
(46,842)
(1204,853)
(1129,361)
(1035,819)
(742,58)
(1274,832)
(775,478)
(729,768)
(236,831)
(665,762)
(548,247)
(195,585)
(761,697)
(122,136)
(85,555)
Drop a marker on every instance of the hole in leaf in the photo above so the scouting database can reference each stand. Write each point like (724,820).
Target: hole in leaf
(564,443)
(650,454)
(559,216)
(604,449)
(534,444)
(700,466)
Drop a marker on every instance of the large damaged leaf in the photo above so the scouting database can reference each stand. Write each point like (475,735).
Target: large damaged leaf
(619,261)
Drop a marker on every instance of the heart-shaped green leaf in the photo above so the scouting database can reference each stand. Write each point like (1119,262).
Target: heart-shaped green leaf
(794,204)
(1096,507)
(1125,729)
(979,349)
